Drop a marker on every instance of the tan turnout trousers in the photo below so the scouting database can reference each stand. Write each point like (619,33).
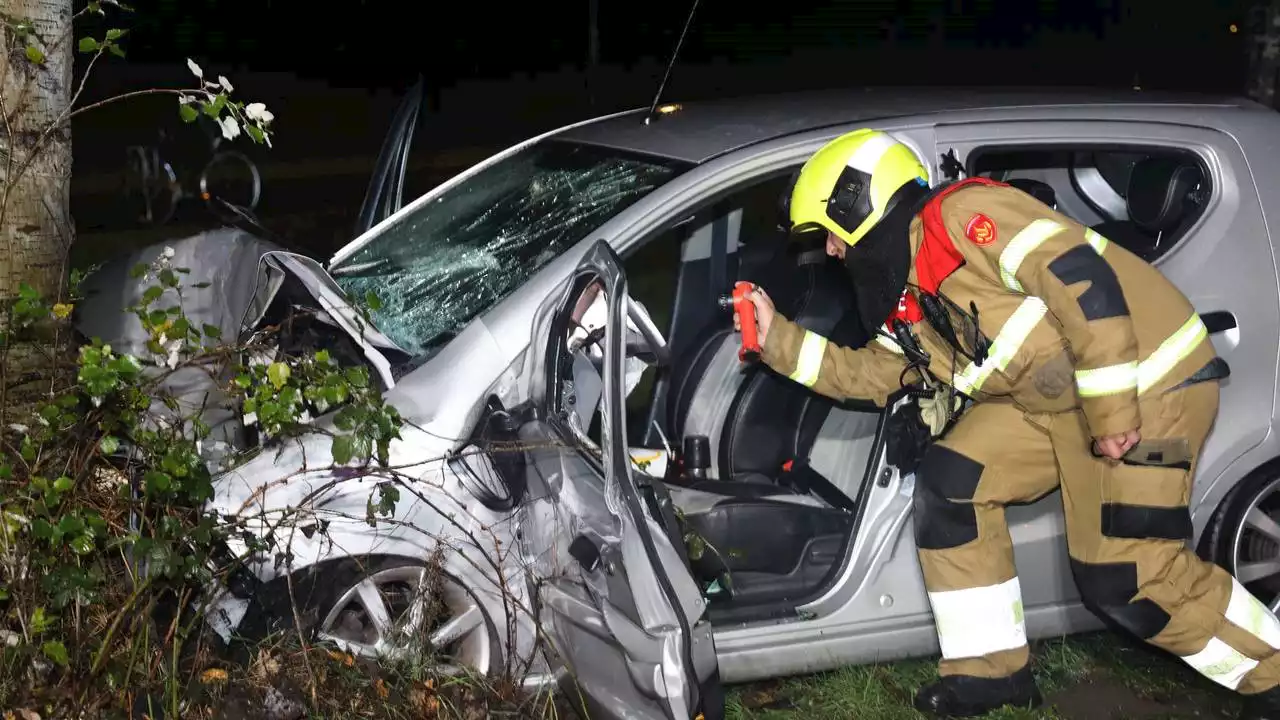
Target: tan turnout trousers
(1126,532)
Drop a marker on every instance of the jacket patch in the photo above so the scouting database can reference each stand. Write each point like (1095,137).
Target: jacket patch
(1103,298)
(980,230)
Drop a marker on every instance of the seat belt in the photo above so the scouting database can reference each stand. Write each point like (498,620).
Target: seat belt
(804,478)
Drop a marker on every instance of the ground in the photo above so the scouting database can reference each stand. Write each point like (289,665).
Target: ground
(1098,676)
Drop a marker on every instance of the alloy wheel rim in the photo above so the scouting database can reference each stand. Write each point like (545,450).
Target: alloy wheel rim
(405,612)
(1255,546)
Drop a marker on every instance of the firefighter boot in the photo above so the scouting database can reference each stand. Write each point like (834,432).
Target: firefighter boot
(969,696)
(1263,706)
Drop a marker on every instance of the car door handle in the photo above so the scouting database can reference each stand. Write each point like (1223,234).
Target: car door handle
(1218,321)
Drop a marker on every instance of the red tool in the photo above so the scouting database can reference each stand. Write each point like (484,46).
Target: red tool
(746,311)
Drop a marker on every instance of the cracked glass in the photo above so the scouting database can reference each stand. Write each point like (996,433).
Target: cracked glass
(439,266)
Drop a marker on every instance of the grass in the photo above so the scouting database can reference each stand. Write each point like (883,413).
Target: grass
(1090,677)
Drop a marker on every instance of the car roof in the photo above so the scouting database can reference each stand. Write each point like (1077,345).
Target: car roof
(701,130)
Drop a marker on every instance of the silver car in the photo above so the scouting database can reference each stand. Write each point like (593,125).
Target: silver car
(718,523)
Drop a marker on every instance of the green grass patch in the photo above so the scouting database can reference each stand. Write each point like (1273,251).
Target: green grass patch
(1099,676)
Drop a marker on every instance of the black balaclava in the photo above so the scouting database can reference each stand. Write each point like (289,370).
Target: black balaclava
(881,261)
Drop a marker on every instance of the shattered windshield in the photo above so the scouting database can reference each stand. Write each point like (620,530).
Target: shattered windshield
(441,265)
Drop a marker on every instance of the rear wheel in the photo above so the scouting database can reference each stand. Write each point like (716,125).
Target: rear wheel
(1244,536)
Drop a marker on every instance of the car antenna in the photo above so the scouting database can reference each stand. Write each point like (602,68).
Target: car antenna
(657,98)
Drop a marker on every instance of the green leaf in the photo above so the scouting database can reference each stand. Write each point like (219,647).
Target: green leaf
(82,545)
(201,285)
(35,55)
(63,484)
(88,45)
(152,293)
(115,50)
(40,621)
(138,271)
(372,301)
(168,278)
(278,374)
(254,133)
(109,445)
(96,7)
(56,651)
(212,331)
(116,33)
(342,449)
(188,113)
(157,481)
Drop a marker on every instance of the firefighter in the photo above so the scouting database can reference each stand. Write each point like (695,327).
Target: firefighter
(1086,370)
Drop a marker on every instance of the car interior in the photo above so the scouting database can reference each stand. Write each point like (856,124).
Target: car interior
(744,449)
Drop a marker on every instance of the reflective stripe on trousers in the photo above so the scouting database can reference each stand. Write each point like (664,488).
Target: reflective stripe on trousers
(979,621)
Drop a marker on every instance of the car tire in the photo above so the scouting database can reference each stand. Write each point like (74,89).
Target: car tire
(319,590)
(1232,538)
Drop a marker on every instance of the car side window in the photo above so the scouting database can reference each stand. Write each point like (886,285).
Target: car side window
(1145,199)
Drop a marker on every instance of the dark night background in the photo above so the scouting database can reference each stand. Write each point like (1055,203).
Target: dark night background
(497,72)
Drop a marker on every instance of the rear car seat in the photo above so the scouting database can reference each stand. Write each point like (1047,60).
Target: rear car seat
(1164,196)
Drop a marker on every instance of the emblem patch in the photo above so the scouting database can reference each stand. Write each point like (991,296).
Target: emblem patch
(980,230)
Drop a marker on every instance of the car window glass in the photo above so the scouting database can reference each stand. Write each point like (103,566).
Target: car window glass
(1144,199)
(437,267)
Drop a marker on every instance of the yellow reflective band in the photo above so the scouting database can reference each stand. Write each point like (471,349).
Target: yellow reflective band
(1248,613)
(1172,351)
(1027,240)
(1005,346)
(1221,663)
(1107,380)
(1098,242)
(809,361)
(979,621)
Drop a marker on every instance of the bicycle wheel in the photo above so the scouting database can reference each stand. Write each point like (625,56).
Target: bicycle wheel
(150,186)
(232,178)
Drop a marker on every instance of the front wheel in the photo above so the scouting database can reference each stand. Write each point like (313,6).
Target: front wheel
(390,608)
(1244,536)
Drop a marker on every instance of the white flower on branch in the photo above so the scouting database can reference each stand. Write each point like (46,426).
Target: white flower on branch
(195,69)
(225,83)
(258,113)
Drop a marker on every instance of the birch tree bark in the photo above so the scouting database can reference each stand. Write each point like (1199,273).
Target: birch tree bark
(35,155)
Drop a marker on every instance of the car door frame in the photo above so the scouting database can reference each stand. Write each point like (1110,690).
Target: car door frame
(662,559)
(1234,212)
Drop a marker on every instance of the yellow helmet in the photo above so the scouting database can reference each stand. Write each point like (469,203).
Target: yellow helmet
(847,186)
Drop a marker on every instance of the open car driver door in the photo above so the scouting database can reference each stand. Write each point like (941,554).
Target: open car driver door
(614,593)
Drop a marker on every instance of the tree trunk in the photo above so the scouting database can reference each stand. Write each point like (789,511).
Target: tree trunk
(35,215)
(35,186)
(1264,51)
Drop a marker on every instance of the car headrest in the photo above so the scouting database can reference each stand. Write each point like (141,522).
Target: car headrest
(1161,190)
(1037,189)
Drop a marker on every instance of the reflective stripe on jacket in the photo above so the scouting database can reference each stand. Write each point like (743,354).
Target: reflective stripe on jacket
(1073,320)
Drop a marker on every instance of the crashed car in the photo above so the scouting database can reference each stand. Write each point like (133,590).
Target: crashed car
(713,522)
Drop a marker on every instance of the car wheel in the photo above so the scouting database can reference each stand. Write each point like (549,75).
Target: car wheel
(394,608)
(1244,537)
